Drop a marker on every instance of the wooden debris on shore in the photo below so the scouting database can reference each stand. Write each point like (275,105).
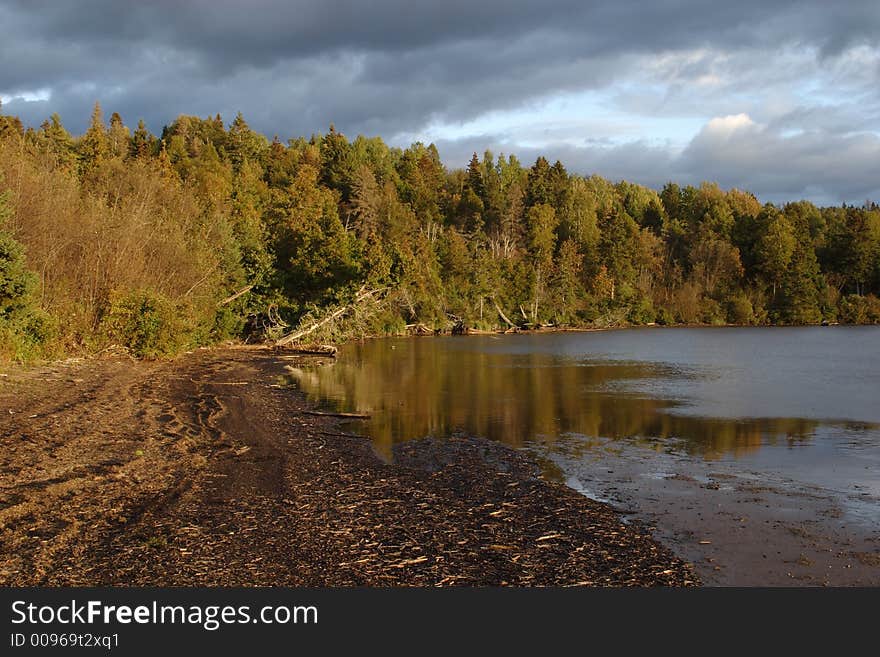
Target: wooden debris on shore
(354,416)
(513,327)
(235,296)
(419,329)
(458,325)
(362,296)
(310,350)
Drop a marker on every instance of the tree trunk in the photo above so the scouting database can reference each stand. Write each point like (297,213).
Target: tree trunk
(501,313)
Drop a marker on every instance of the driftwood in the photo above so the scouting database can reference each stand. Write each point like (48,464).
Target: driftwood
(419,329)
(356,416)
(235,296)
(314,350)
(293,337)
(458,327)
(336,314)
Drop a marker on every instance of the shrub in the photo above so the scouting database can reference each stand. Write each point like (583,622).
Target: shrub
(665,317)
(641,312)
(855,309)
(24,327)
(228,324)
(740,311)
(146,323)
(711,312)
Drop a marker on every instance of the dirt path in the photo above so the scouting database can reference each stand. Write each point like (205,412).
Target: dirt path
(202,471)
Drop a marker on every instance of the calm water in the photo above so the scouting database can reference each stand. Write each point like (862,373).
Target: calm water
(803,401)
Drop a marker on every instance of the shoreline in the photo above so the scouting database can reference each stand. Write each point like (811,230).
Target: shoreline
(305,348)
(571,329)
(738,527)
(202,470)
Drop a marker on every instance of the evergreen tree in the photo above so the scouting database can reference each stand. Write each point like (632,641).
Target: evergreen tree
(142,142)
(540,186)
(242,143)
(474,178)
(16,282)
(58,141)
(94,147)
(542,224)
(799,292)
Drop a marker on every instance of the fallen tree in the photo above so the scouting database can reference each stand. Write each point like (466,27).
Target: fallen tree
(361,297)
(503,316)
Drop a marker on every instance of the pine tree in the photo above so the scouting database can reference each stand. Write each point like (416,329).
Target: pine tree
(799,291)
(242,143)
(94,147)
(142,142)
(540,187)
(16,282)
(58,141)
(474,178)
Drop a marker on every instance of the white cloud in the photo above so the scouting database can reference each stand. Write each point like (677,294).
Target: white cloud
(725,127)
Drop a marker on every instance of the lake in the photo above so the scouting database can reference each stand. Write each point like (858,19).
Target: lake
(612,413)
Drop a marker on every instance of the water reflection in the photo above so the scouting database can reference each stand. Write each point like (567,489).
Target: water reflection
(430,387)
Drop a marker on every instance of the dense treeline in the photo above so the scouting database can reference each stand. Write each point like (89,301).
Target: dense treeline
(122,237)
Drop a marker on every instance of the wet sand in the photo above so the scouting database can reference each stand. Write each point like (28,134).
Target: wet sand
(738,527)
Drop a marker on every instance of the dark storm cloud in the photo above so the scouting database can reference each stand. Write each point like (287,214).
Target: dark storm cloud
(733,151)
(835,167)
(395,68)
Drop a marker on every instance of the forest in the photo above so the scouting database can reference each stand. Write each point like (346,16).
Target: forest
(155,244)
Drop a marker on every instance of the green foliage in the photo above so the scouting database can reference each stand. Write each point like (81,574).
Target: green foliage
(146,323)
(855,309)
(25,329)
(665,317)
(740,310)
(314,249)
(641,312)
(775,245)
(94,147)
(798,302)
(138,239)
(16,282)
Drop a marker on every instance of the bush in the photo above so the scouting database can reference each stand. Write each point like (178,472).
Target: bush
(228,324)
(28,337)
(740,311)
(641,312)
(711,312)
(665,317)
(24,327)
(16,282)
(591,311)
(855,309)
(873,309)
(146,323)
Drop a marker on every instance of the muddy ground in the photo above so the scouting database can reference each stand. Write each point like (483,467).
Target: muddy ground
(205,471)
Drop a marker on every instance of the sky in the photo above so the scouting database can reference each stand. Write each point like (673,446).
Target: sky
(779,98)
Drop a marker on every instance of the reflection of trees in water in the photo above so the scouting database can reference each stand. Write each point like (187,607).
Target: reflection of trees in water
(426,387)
